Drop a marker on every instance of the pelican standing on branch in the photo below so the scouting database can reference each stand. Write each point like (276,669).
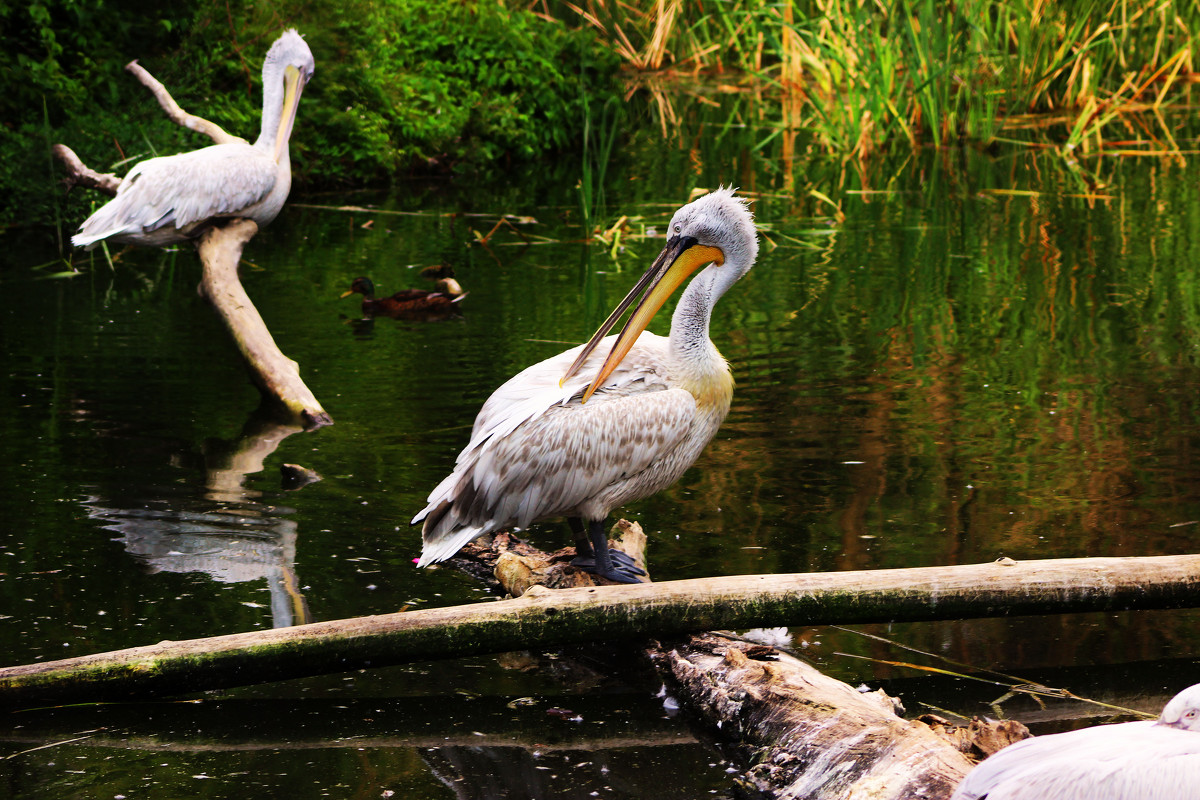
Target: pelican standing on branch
(578,435)
(164,201)
(1157,760)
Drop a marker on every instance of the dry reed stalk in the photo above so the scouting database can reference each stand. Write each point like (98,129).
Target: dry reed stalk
(791,71)
(665,12)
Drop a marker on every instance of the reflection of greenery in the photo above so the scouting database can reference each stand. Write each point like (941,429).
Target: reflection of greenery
(398,85)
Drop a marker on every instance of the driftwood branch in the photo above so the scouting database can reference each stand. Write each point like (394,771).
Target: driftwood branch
(549,618)
(416,722)
(806,734)
(276,375)
(190,121)
(80,174)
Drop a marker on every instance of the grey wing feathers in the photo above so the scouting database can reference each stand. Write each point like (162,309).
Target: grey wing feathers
(183,190)
(552,463)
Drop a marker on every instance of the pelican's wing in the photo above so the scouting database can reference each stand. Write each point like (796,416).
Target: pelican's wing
(540,386)
(1129,760)
(183,190)
(537,451)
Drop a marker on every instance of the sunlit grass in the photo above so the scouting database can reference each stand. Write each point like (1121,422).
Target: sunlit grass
(864,75)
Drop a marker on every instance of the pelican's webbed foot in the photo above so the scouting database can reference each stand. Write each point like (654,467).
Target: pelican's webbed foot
(594,555)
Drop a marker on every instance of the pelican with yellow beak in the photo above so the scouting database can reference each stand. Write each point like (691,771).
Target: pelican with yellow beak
(580,434)
(164,201)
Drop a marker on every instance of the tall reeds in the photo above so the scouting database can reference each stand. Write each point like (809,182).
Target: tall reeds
(871,73)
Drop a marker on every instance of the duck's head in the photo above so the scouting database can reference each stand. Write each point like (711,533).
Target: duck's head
(361,285)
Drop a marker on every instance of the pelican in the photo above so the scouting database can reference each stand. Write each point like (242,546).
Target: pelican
(1129,761)
(164,201)
(578,435)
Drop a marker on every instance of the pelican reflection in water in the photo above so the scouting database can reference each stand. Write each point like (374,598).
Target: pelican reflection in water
(164,201)
(1128,761)
(578,435)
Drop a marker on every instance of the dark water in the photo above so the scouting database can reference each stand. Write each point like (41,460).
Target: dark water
(979,357)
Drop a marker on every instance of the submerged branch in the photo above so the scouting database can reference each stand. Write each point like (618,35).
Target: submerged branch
(276,375)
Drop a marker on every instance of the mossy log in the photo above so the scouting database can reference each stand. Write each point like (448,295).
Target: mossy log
(548,618)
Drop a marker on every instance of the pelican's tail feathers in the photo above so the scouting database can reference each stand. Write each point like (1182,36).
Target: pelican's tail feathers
(97,227)
(440,539)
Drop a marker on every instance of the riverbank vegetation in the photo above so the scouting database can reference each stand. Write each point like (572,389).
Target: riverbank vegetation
(864,75)
(419,86)
(428,85)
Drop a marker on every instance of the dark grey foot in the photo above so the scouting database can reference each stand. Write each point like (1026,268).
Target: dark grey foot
(598,559)
(620,559)
(618,574)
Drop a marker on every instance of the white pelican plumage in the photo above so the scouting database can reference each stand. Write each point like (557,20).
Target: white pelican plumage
(575,437)
(1128,761)
(168,200)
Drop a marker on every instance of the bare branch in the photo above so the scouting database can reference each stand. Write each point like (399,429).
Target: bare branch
(190,121)
(80,174)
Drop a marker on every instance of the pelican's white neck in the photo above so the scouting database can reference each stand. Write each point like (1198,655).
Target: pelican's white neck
(688,341)
(272,112)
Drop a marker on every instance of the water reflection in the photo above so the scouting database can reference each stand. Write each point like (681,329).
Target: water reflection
(962,362)
(437,746)
(228,534)
(518,773)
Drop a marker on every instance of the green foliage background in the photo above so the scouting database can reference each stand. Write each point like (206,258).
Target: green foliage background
(400,87)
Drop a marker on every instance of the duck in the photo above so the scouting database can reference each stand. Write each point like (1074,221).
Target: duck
(407,303)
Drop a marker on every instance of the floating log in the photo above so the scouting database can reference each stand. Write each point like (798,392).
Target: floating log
(797,732)
(549,618)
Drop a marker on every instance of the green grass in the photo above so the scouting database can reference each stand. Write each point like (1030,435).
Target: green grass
(874,73)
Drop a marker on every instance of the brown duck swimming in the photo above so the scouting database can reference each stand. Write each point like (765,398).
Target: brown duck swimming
(407,303)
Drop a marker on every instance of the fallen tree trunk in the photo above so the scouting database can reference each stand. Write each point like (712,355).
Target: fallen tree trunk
(549,618)
(804,734)
(796,732)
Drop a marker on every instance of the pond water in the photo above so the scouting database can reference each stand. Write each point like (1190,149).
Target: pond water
(979,356)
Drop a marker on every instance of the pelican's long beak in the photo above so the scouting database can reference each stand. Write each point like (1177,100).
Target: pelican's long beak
(678,260)
(293,85)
